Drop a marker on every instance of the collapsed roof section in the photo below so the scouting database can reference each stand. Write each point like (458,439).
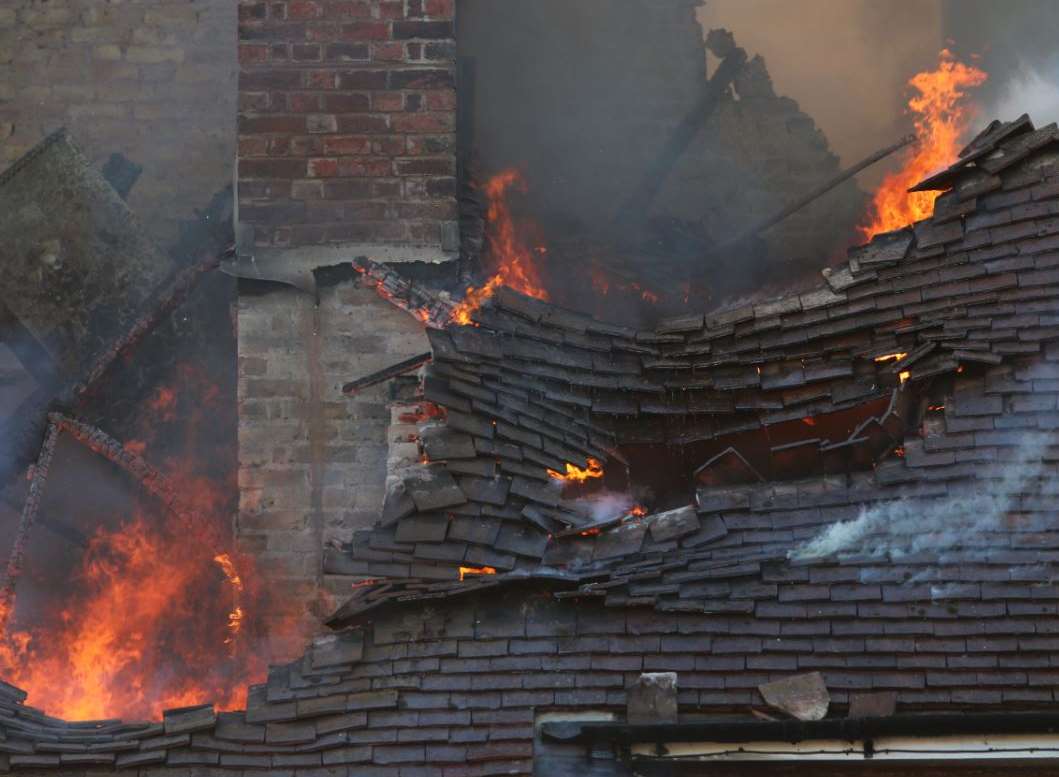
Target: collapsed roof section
(929,349)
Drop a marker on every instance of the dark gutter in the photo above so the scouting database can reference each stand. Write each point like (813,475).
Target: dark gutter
(849,729)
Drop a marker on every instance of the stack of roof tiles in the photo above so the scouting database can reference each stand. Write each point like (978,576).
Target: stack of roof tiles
(915,552)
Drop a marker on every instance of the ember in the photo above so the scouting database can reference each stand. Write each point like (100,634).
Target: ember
(942,117)
(473,571)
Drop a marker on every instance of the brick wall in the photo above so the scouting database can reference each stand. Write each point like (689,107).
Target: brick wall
(155,81)
(346,122)
(312,463)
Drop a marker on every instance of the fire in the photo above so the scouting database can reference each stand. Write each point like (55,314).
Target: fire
(578,475)
(136,641)
(904,376)
(465,571)
(160,611)
(891,357)
(942,117)
(515,266)
(638,511)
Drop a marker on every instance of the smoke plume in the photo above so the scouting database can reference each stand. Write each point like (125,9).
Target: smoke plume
(906,527)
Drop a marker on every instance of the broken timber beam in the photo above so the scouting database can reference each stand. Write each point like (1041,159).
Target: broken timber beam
(417,300)
(358,385)
(814,195)
(639,202)
(29,516)
(183,283)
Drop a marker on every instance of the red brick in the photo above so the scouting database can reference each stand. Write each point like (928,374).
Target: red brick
(388,52)
(431,145)
(424,122)
(422,30)
(426,166)
(348,189)
(305,52)
(340,9)
(301,102)
(344,145)
(271,168)
(253,102)
(254,145)
(366,31)
(321,79)
(263,80)
(362,79)
(440,8)
(323,168)
(387,102)
(304,9)
(391,9)
(390,145)
(344,102)
(279,145)
(371,168)
(251,125)
(306,146)
(348,52)
(322,32)
(351,124)
(420,78)
(441,100)
(252,55)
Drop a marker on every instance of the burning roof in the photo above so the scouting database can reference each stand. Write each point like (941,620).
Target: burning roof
(782,417)
(867,474)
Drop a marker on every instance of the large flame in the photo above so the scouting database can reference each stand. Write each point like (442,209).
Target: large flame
(513,259)
(157,612)
(942,116)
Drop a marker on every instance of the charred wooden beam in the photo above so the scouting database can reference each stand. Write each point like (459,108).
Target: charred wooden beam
(25,524)
(182,285)
(645,193)
(388,373)
(419,301)
(156,484)
(815,194)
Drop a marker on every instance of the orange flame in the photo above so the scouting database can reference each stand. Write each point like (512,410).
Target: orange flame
(578,475)
(465,571)
(891,357)
(942,117)
(158,611)
(638,510)
(514,260)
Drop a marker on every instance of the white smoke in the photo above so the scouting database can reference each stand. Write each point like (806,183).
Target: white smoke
(1031,91)
(604,506)
(963,522)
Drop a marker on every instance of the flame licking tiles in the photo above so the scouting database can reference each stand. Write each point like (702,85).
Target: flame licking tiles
(576,474)
(514,260)
(475,571)
(942,116)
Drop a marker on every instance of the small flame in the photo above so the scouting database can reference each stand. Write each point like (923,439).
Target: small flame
(578,475)
(515,265)
(638,510)
(473,571)
(904,376)
(941,120)
(236,616)
(891,357)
